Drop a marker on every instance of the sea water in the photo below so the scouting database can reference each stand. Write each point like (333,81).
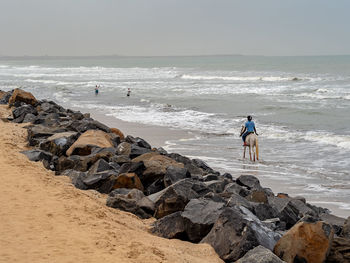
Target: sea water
(301,107)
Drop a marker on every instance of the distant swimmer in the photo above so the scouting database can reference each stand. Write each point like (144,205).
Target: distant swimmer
(128,93)
(96,89)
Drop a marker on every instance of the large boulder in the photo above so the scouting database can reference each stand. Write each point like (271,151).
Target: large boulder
(156,166)
(199,217)
(259,254)
(131,200)
(170,226)
(173,198)
(19,95)
(174,174)
(287,212)
(20,112)
(236,232)
(38,133)
(307,241)
(249,181)
(59,143)
(88,140)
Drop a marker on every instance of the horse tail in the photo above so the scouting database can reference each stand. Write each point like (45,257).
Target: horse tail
(257,149)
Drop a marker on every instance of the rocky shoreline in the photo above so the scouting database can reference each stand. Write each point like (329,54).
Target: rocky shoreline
(240,219)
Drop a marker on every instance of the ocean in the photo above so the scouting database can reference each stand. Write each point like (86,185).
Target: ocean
(301,107)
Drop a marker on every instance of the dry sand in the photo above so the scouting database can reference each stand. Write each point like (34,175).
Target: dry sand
(43,218)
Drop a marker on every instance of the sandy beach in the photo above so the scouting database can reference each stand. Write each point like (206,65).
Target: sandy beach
(45,219)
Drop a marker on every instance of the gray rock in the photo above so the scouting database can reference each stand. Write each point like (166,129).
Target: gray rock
(170,226)
(174,174)
(199,216)
(260,254)
(37,155)
(173,198)
(249,181)
(59,143)
(335,221)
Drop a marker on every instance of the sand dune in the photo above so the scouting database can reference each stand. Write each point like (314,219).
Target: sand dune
(43,218)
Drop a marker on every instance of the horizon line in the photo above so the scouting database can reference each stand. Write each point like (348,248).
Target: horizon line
(160,56)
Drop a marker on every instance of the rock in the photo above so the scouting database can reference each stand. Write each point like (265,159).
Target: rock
(124,149)
(19,95)
(285,211)
(88,140)
(249,181)
(257,196)
(236,232)
(170,226)
(134,202)
(59,143)
(130,167)
(118,132)
(5,96)
(259,254)
(156,166)
(89,124)
(174,174)
(340,251)
(188,164)
(201,164)
(346,229)
(210,177)
(29,118)
(99,166)
(128,180)
(199,217)
(121,159)
(231,237)
(22,111)
(142,143)
(136,151)
(173,198)
(216,186)
(37,155)
(155,187)
(238,189)
(38,133)
(93,180)
(305,242)
(265,211)
(335,221)
(77,178)
(237,200)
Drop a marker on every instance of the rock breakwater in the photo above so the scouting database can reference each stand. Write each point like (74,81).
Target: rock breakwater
(191,201)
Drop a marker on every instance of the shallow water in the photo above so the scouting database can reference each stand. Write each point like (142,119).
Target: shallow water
(300,106)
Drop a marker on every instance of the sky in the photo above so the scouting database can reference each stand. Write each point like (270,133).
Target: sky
(174,27)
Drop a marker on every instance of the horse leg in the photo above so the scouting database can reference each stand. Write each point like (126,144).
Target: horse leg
(244,152)
(250,152)
(253,153)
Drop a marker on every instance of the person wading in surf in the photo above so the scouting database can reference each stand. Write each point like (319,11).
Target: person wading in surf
(249,127)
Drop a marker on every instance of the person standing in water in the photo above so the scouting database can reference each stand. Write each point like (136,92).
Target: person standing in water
(96,89)
(128,93)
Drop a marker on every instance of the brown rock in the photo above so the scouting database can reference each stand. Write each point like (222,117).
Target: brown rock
(156,166)
(22,96)
(308,242)
(118,132)
(88,140)
(257,196)
(128,180)
(282,195)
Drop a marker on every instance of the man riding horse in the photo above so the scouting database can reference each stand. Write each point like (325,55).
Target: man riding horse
(249,127)
(250,139)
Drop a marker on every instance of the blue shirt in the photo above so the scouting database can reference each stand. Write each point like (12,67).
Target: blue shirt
(250,126)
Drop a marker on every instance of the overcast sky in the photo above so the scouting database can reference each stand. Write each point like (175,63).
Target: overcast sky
(174,27)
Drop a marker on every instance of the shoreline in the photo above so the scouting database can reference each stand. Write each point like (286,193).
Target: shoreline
(159,136)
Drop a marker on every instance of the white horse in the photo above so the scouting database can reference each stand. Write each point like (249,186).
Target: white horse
(251,142)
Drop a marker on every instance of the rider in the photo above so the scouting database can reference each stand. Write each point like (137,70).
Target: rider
(249,127)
